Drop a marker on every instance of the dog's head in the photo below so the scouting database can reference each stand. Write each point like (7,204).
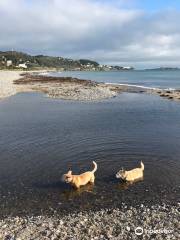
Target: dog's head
(121,174)
(67,177)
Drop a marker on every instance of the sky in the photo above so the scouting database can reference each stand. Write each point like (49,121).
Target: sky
(140,33)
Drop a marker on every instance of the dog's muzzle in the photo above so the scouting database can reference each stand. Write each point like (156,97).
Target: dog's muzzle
(117,175)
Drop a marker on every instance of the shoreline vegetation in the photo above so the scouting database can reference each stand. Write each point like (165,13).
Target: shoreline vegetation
(68,88)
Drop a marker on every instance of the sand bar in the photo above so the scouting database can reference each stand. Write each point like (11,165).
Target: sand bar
(69,88)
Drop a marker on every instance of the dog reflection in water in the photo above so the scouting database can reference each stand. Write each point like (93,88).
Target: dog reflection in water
(76,192)
(123,185)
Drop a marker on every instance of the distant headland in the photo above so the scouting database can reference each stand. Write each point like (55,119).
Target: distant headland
(163,69)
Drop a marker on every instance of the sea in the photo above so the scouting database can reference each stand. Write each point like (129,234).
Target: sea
(41,138)
(163,79)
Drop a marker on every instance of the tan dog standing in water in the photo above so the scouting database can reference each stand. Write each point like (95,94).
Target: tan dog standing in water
(82,179)
(131,175)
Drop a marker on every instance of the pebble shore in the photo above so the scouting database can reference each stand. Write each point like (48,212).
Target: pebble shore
(66,88)
(155,222)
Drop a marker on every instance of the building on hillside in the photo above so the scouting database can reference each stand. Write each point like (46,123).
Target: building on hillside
(127,68)
(9,63)
(22,65)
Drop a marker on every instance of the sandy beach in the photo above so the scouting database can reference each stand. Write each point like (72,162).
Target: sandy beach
(7,88)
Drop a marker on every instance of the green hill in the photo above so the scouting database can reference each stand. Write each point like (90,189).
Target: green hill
(41,61)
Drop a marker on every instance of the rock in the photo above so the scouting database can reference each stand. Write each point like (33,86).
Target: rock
(128,228)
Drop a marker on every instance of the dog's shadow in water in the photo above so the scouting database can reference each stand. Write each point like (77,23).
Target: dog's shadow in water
(123,185)
(70,194)
(51,185)
(66,190)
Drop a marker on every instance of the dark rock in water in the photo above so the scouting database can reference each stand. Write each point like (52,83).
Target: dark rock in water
(8,237)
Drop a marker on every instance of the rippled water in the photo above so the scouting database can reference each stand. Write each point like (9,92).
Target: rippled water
(40,138)
(148,78)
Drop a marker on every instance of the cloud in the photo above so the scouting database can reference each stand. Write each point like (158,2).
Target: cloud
(91,29)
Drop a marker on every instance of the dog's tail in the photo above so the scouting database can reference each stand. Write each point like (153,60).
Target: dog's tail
(142,165)
(95,167)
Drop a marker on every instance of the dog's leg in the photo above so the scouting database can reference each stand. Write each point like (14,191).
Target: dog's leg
(92,179)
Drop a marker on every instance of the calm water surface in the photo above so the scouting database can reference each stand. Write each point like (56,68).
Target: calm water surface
(148,78)
(40,138)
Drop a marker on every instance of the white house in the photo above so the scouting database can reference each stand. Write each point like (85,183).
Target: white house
(127,68)
(9,63)
(22,65)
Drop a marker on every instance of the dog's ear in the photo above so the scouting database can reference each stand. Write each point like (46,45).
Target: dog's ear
(69,172)
(69,169)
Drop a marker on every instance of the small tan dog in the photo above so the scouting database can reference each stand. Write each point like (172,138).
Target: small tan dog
(82,179)
(131,175)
